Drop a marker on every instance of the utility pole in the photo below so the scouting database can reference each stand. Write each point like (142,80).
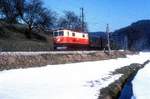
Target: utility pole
(108,39)
(82,19)
(125,43)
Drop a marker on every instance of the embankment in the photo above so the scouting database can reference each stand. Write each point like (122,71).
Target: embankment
(114,89)
(13,60)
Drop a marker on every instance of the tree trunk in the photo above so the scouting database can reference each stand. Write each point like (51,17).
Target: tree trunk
(28,32)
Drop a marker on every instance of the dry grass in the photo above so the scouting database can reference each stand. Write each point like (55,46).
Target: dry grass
(12,38)
(24,45)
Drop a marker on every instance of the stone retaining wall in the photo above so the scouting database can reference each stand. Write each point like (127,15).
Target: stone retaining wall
(24,60)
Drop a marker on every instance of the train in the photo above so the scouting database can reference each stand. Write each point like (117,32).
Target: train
(75,40)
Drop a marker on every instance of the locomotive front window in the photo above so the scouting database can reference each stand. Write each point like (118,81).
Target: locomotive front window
(61,33)
(55,34)
(58,33)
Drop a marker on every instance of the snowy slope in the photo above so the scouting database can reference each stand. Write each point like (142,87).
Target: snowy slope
(67,81)
(141,83)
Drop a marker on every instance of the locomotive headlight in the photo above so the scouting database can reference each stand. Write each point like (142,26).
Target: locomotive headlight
(58,40)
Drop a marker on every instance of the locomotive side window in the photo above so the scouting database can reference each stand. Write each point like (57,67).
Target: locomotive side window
(73,34)
(68,33)
(83,36)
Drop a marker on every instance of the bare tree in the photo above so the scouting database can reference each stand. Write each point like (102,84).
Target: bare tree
(0,4)
(11,9)
(20,7)
(1,9)
(70,21)
(46,19)
(36,15)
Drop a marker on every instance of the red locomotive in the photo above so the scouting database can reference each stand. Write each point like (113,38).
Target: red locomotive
(68,39)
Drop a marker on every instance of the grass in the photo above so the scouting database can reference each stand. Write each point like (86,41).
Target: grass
(24,45)
(12,38)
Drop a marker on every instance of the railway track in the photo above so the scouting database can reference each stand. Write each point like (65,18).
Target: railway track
(47,52)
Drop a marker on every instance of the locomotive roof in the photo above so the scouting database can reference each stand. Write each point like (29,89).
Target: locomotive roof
(70,30)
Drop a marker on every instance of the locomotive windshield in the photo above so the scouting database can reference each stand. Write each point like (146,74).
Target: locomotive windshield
(55,34)
(60,33)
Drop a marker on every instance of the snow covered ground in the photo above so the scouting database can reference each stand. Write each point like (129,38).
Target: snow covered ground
(141,84)
(67,81)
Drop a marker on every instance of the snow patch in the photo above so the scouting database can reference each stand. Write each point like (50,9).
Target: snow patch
(67,81)
(141,83)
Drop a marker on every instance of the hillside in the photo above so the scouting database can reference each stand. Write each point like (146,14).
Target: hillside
(138,35)
(13,38)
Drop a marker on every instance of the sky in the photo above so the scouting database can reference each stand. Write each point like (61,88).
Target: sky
(98,13)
